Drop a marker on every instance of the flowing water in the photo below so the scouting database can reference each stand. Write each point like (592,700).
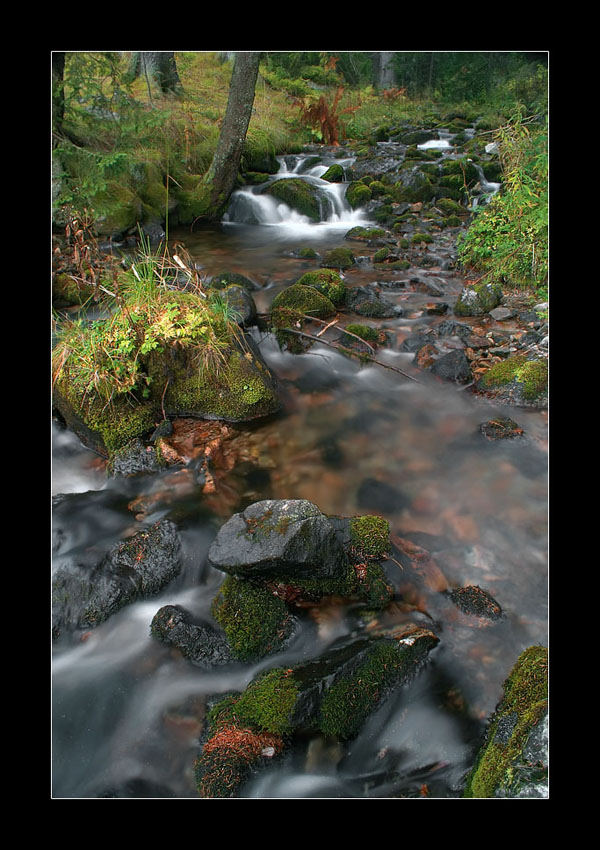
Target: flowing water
(128,712)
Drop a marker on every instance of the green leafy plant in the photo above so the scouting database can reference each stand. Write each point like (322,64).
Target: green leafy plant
(508,239)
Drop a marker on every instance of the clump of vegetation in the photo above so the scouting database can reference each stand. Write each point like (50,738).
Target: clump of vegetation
(528,377)
(370,536)
(508,239)
(110,373)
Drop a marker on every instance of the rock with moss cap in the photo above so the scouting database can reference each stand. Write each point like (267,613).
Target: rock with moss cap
(518,380)
(478,300)
(297,194)
(513,760)
(328,282)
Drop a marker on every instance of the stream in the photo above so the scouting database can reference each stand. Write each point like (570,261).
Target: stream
(353,438)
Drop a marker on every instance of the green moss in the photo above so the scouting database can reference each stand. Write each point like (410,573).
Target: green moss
(370,536)
(297,194)
(297,301)
(523,707)
(255,621)
(339,258)
(449,207)
(531,375)
(363,331)
(266,705)
(351,699)
(381,255)
(358,194)
(234,390)
(365,233)
(334,174)
(418,238)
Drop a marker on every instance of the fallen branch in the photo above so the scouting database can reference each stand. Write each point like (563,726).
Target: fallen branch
(350,352)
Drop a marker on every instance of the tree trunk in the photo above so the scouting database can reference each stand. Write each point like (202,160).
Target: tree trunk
(223,171)
(385,76)
(159,66)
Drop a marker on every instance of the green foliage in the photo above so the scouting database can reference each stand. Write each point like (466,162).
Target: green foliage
(508,239)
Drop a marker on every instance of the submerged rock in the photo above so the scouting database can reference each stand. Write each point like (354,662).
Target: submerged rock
(366,301)
(473,600)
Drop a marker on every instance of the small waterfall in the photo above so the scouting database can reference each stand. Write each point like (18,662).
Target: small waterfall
(252,206)
(488,189)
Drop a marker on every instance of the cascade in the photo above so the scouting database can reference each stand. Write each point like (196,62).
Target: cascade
(252,206)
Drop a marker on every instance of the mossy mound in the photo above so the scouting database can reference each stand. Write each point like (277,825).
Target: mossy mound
(334,174)
(298,195)
(328,282)
(506,764)
(364,234)
(338,258)
(478,300)
(358,194)
(293,304)
(115,378)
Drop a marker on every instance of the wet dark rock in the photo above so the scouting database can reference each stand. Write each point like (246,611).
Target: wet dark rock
(501,314)
(450,327)
(366,301)
(199,643)
(163,429)
(288,537)
(414,342)
(380,496)
(453,366)
(473,600)
(429,287)
(135,458)
(136,568)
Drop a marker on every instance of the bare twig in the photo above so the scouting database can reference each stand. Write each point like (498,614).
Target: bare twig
(351,352)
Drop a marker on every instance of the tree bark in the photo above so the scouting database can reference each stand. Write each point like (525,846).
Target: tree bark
(385,76)
(159,66)
(223,171)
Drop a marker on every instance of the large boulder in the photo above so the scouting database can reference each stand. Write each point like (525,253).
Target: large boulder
(297,194)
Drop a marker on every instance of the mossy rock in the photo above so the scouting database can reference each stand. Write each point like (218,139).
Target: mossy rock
(334,174)
(104,428)
(462,168)
(255,178)
(449,207)
(192,203)
(255,621)
(118,208)
(358,194)
(511,763)
(298,301)
(328,282)
(421,238)
(364,234)
(478,300)
(298,195)
(237,387)
(225,279)
(338,258)
(517,380)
